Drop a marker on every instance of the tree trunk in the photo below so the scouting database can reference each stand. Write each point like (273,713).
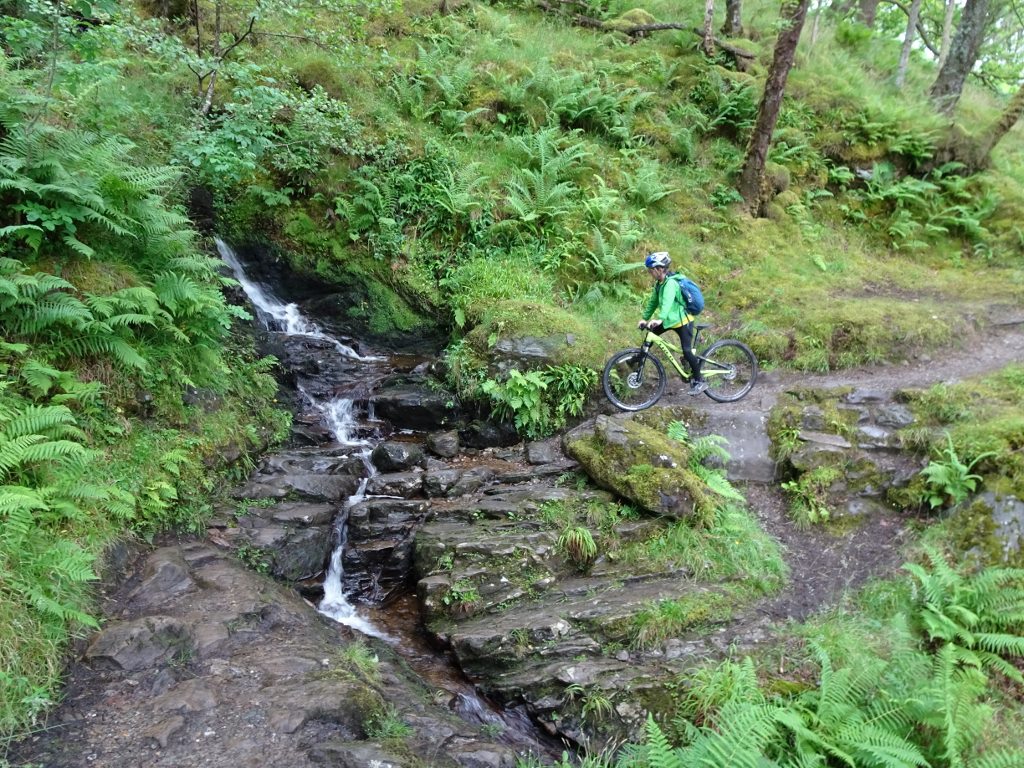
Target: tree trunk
(908,40)
(947,34)
(1006,121)
(866,11)
(963,52)
(817,23)
(707,44)
(794,12)
(733,26)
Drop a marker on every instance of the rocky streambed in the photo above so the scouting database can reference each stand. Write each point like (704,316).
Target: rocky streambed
(520,639)
(210,655)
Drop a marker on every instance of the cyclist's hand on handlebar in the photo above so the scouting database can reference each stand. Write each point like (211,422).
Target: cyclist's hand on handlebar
(642,325)
(653,325)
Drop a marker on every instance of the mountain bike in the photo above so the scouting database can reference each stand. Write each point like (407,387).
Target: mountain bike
(635,379)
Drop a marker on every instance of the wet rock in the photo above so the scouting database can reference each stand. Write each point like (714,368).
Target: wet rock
(444,444)
(471,753)
(329,700)
(439,482)
(485,434)
(746,440)
(638,463)
(310,486)
(411,406)
(812,418)
(141,643)
(299,514)
(528,352)
(861,396)
(294,554)
(870,436)
(194,695)
(403,484)
(392,456)
(894,415)
(992,524)
(166,575)
(343,754)
(545,452)
(373,518)
(161,732)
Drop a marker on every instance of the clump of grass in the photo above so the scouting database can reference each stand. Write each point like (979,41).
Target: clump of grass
(577,543)
(734,546)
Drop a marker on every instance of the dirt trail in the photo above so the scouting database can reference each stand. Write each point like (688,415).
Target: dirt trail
(824,565)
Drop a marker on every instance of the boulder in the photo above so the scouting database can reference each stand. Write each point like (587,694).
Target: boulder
(642,465)
(394,456)
(416,406)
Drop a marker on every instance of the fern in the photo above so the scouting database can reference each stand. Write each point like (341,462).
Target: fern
(980,616)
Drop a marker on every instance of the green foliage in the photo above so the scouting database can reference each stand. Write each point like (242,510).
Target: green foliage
(254,557)
(950,481)
(539,402)
(707,457)
(265,129)
(594,705)
(913,212)
(981,616)
(387,724)
(577,543)
(521,399)
(461,596)
(809,495)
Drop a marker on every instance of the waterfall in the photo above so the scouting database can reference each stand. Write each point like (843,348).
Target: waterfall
(275,315)
(338,417)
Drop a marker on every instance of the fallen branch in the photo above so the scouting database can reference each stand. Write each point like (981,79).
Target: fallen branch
(742,58)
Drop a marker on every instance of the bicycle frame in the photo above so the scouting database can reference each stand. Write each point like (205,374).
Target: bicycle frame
(671,352)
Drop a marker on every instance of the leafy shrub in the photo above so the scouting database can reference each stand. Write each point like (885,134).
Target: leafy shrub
(948,482)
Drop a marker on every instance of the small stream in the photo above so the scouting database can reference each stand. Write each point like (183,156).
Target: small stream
(355,430)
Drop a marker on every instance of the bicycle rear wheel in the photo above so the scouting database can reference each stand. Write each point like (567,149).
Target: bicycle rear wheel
(730,369)
(633,379)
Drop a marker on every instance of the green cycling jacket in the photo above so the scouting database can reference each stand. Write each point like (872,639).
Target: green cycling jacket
(667,299)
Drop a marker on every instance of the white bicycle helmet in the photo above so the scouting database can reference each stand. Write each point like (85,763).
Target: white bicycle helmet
(657,259)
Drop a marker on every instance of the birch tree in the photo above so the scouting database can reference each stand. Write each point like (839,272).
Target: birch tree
(733,26)
(908,41)
(707,44)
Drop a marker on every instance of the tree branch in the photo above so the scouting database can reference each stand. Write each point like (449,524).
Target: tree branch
(920,27)
(741,56)
(252,21)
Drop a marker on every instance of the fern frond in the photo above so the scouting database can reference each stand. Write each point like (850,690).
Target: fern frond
(999,758)
(46,420)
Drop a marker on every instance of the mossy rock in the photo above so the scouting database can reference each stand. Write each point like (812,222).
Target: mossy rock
(635,17)
(644,466)
(991,529)
(557,337)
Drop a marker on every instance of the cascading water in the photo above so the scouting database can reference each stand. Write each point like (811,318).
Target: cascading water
(339,419)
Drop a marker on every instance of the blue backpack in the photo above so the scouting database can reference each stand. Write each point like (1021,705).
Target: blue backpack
(692,296)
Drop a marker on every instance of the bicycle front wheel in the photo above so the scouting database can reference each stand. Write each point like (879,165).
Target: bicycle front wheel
(633,379)
(730,369)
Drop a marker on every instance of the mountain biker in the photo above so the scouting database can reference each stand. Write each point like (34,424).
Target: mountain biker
(667,301)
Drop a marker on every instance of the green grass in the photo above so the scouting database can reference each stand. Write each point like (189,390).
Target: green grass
(734,547)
